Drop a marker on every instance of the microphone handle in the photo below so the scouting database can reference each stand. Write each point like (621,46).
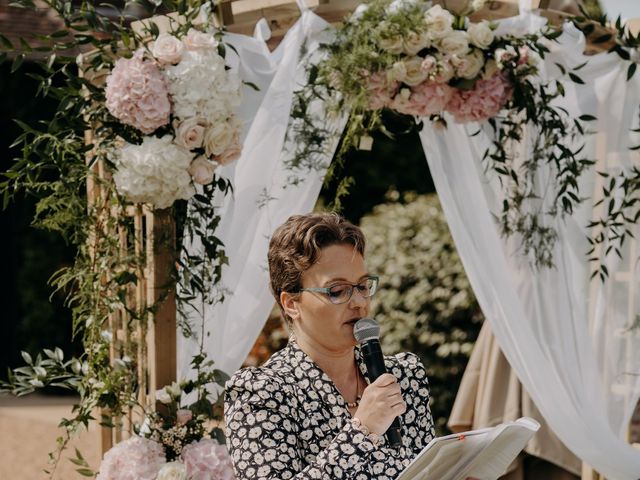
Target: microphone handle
(374,360)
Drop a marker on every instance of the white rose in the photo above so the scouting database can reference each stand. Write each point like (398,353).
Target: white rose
(391,44)
(470,65)
(504,55)
(477,4)
(414,42)
(445,71)
(196,40)
(172,471)
(163,396)
(480,34)
(415,75)
(175,390)
(167,49)
(218,137)
(190,133)
(455,43)
(201,170)
(398,72)
(232,153)
(439,22)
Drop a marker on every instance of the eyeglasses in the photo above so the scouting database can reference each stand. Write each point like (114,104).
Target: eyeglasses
(342,292)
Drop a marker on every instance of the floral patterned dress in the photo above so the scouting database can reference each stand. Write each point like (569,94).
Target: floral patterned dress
(287,419)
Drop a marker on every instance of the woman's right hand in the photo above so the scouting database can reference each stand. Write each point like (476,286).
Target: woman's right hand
(381,402)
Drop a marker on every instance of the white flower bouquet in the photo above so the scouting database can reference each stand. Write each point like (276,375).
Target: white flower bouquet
(180,94)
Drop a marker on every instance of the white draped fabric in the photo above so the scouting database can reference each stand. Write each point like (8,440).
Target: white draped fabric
(567,338)
(262,198)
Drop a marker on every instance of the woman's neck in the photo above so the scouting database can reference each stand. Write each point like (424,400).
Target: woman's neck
(338,364)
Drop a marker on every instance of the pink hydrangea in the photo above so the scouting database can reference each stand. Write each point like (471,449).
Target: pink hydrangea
(424,100)
(381,90)
(483,101)
(134,459)
(207,460)
(136,93)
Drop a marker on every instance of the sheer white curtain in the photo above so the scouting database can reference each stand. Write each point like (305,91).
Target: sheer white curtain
(262,196)
(568,339)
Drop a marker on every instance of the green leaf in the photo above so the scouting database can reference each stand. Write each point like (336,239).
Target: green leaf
(631,70)
(587,118)
(86,472)
(17,62)
(26,357)
(576,78)
(6,43)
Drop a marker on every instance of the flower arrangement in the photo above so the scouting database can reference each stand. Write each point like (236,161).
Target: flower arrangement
(175,442)
(415,59)
(422,60)
(181,90)
(160,125)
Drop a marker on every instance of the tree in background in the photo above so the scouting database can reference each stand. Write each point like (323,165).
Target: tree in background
(33,317)
(425,303)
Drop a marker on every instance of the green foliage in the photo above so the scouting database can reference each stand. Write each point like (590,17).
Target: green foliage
(425,303)
(56,167)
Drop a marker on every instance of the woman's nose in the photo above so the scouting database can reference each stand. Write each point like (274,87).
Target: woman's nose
(358,301)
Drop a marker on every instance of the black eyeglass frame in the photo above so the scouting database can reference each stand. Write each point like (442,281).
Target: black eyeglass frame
(352,288)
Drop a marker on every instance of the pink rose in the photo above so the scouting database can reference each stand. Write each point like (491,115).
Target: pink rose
(201,170)
(167,49)
(190,133)
(196,40)
(183,415)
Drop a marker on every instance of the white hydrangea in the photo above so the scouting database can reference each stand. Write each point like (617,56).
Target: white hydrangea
(155,172)
(200,86)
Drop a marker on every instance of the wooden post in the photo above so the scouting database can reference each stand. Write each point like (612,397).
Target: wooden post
(161,337)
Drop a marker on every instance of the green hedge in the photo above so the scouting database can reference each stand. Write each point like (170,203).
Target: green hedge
(425,304)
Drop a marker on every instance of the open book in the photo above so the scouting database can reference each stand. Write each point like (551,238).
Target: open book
(484,454)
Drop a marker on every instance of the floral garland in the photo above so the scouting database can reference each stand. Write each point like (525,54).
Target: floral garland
(162,122)
(183,89)
(412,58)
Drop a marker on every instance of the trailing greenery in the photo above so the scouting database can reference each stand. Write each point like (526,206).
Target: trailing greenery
(621,190)
(425,303)
(59,163)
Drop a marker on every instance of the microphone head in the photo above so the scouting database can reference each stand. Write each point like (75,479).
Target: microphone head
(366,329)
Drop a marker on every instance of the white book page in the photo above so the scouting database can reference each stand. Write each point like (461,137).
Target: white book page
(484,454)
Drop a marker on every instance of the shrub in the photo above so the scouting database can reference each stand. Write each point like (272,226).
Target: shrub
(425,303)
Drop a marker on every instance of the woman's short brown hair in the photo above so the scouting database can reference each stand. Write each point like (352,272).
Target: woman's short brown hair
(296,244)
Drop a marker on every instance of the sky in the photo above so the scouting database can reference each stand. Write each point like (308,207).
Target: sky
(626,8)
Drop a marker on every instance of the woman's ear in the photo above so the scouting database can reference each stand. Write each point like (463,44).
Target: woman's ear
(289,304)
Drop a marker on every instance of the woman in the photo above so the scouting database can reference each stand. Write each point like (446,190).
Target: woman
(309,412)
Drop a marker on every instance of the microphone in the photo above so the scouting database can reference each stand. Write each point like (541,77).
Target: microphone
(367,332)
